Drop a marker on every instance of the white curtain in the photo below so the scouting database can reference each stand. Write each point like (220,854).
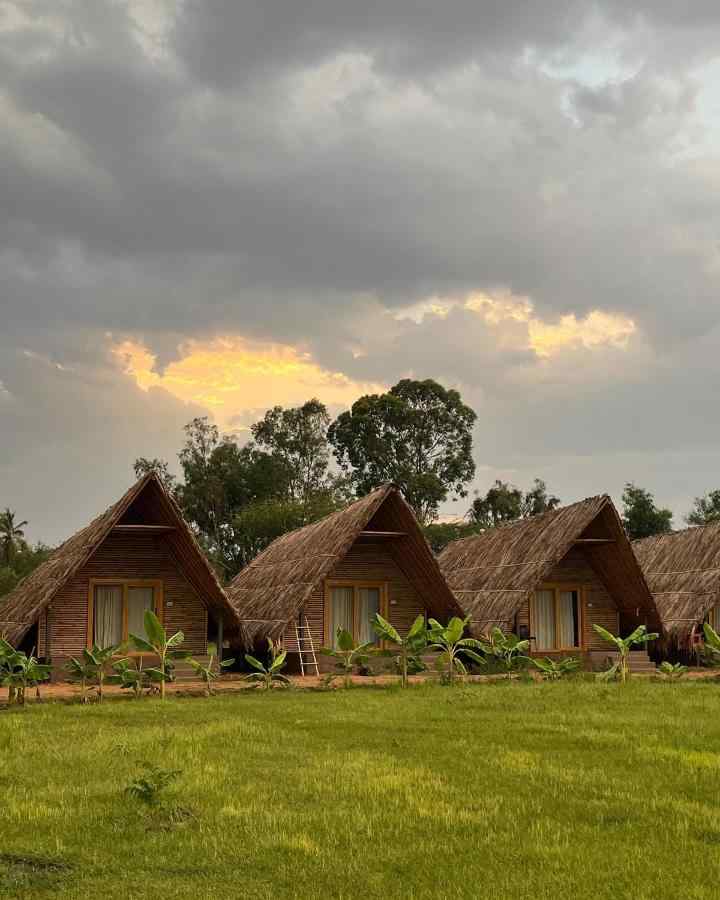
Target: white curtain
(108,614)
(139,599)
(544,620)
(341,611)
(567,611)
(369,605)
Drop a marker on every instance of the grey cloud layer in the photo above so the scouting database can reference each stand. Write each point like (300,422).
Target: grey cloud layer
(291,171)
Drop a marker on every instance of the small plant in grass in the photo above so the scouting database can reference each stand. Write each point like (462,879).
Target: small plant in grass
(409,647)
(507,650)
(671,671)
(150,788)
(206,673)
(349,654)
(448,641)
(556,669)
(621,669)
(268,675)
(162,645)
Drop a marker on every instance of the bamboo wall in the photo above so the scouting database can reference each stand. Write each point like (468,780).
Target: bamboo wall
(124,556)
(364,562)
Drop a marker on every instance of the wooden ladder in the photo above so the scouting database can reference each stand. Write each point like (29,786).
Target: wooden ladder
(304,634)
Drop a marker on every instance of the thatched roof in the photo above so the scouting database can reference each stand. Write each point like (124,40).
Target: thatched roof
(492,574)
(683,572)
(147,499)
(270,592)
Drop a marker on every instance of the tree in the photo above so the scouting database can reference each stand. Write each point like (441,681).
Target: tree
(506,503)
(705,509)
(507,650)
(267,675)
(537,500)
(621,668)
(418,436)
(158,643)
(409,648)
(160,467)
(440,534)
(25,560)
(349,654)
(11,535)
(641,517)
(258,523)
(449,642)
(297,438)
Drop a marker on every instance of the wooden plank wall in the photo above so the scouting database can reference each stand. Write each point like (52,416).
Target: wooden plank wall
(366,562)
(125,556)
(599,606)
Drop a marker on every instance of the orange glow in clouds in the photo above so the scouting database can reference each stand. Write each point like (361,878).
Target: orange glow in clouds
(231,375)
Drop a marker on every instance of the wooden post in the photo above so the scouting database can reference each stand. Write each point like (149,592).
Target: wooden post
(220,642)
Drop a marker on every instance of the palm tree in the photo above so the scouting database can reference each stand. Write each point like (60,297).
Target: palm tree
(11,533)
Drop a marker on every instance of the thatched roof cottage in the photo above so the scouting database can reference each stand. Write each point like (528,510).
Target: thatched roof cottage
(552,577)
(683,572)
(370,557)
(139,554)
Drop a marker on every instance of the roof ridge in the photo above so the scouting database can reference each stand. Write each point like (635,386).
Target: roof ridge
(678,531)
(514,523)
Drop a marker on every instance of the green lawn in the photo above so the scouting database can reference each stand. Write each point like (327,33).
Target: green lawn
(565,790)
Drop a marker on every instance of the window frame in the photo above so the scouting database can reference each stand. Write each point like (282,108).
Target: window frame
(556,587)
(356,585)
(125,583)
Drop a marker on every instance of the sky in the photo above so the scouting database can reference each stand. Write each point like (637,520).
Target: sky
(211,207)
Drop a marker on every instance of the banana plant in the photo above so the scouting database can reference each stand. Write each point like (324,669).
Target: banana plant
(20,672)
(712,642)
(130,676)
(671,671)
(268,675)
(554,669)
(7,655)
(621,669)
(206,673)
(449,642)
(83,670)
(158,643)
(348,654)
(507,650)
(409,647)
(101,658)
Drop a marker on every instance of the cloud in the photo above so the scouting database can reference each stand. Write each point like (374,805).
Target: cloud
(516,198)
(233,378)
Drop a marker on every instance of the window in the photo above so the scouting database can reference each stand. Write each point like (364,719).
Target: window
(353,606)
(555,618)
(117,609)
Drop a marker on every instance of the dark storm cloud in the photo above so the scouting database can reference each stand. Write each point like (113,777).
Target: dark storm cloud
(297,172)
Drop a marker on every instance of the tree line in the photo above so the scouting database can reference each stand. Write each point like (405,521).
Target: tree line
(299,465)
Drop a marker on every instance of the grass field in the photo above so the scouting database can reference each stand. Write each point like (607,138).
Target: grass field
(521,791)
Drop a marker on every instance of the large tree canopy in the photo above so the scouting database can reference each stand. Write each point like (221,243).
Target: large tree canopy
(641,517)
(418,435)
(297,439)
